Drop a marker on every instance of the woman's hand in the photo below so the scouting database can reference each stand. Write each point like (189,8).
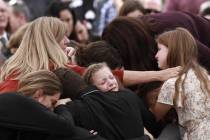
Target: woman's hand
(62,101)
(70,51)
(169,73)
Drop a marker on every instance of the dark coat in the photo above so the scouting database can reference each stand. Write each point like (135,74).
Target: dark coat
(114,115)
(198,26)
(22,118)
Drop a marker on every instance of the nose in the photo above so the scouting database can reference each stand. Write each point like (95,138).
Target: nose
(156,56)
(110,83)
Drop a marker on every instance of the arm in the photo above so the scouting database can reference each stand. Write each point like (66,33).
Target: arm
(165,100)
(130,77)
(136,77)
(149,120)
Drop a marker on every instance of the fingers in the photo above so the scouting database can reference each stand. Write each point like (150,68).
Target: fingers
(93,132)
(62,102)
(178,68)
(70,51)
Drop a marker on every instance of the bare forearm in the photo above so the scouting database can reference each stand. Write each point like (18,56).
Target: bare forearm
(137,77)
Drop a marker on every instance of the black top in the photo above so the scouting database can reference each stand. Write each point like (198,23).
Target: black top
(22,118)
(115,115)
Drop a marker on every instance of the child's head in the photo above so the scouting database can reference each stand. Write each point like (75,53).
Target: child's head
(101,76)
(176,48)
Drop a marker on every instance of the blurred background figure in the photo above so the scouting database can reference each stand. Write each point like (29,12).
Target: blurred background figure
(4,36)
(191,6)
(18,16)
(132,8)
(64,13)
(82,33)
(37,8)
(106,11)
(205,9)
(153,6)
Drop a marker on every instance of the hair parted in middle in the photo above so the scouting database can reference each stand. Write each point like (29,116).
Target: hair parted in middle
(39,49)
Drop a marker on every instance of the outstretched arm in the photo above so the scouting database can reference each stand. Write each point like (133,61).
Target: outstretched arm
(137,77)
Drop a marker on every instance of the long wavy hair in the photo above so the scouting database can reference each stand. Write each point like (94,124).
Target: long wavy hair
(182,51)
(38,50)
(136,47)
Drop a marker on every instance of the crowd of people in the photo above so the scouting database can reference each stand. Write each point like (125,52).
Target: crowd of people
(104,70)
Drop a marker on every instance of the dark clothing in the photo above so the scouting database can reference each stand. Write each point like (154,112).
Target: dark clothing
(198,26)
(23,118)
(37,7)
(114,115)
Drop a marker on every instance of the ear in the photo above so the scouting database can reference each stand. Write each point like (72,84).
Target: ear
(38,95)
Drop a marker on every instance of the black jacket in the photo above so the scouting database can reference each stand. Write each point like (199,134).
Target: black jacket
(22,118)
(115,115)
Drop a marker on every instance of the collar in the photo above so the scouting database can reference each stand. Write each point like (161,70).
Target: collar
(5,36)
(88,90)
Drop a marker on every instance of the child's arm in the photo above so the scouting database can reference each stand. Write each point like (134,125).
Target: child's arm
(165,99)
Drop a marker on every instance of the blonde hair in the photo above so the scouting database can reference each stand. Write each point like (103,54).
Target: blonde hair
(43,79)
(91,70)
(38,49)
(182,51)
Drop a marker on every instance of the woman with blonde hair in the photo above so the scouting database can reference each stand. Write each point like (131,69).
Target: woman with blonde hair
(189,92)
(41,48)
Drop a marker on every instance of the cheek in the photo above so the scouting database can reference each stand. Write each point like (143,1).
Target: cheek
(102,87)
(70,23)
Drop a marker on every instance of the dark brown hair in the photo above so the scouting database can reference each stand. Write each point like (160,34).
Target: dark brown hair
(135,45)
(130,6)
(71,81)
(96,52)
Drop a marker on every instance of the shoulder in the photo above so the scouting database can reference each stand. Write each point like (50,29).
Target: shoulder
(169,83)
(9,86)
